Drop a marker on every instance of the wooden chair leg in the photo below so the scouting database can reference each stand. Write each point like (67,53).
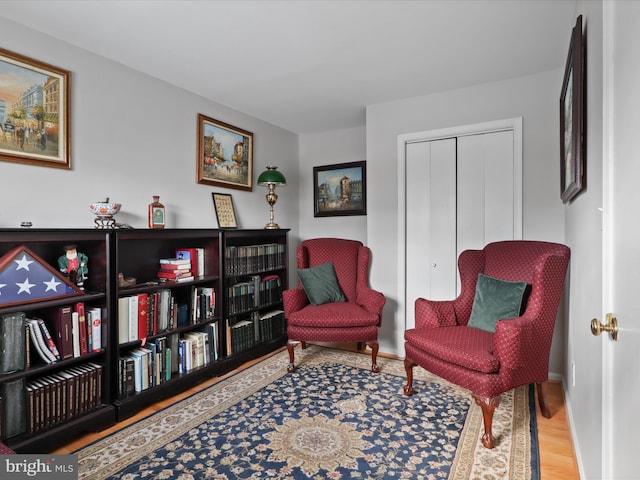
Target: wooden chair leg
(290,348)
(488,406)
(374,356)
(543,399)
(408,367)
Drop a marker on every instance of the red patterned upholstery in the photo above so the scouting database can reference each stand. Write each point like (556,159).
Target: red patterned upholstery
(517,353)
(356,320)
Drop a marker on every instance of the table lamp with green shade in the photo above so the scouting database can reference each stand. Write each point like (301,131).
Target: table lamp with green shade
(271,177)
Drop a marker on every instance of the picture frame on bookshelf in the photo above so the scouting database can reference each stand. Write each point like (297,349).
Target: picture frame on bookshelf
(340,189)
(225,155)
(36,127)
(225,213)
(572,154)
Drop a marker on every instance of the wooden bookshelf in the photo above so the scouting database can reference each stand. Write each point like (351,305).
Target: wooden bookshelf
(136,254)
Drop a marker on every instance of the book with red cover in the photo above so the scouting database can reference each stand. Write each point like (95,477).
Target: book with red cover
(143,315)
(82,328)
(174,275)
(172,267)
(62,330)
(192,255)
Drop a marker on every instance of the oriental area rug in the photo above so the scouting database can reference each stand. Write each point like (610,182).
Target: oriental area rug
(331,419)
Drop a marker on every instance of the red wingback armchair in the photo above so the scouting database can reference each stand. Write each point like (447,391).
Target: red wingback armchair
(517,353)
(355,320)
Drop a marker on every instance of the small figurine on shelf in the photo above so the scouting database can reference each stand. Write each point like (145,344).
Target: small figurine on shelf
(156,213)
(74,265)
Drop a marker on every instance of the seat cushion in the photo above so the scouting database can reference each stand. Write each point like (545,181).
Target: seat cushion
(468,347)
(340,314)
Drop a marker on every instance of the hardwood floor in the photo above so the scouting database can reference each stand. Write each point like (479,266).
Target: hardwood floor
(557,458)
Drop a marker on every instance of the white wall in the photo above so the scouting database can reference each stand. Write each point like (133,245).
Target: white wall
(535,98)
(328,148)
(133,136)
(583,232)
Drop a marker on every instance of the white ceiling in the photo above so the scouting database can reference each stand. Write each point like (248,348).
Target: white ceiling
(312,65)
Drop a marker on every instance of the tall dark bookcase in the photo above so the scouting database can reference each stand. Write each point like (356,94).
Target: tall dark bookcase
(124,264)
(56,421)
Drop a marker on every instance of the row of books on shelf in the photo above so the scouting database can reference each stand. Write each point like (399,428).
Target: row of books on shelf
(245,333)
(187,264)
(146,314)
(155,362)
(37,404)
(256,292)
(242,260)
(58,334)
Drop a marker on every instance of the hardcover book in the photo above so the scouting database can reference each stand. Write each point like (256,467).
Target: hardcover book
(63,330)
(12,346)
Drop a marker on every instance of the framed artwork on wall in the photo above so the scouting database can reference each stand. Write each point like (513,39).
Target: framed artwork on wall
(225,214)
(340,189)
(225,155)
(572,153)
(34,112)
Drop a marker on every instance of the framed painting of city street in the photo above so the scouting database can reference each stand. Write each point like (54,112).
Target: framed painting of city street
(340,189)
(34,112)
(225,155)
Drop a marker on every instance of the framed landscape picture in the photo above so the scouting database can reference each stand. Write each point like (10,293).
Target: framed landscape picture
(572,118)
(34,111)
(340,189)
(225,155)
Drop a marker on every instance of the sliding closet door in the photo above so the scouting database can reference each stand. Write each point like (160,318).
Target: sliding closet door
(486,193)
(430,221)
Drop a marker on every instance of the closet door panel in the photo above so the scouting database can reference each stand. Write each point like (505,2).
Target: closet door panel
(485,189)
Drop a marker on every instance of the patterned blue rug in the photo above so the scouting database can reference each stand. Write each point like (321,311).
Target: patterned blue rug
(332,419)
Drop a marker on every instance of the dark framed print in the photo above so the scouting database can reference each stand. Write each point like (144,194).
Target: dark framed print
(225,214)
(225,155)
(340,189)
(34,112)
(572,154)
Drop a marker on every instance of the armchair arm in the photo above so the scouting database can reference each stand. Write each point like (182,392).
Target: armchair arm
(294,299)
(371,300)
(434,313)
(517,347)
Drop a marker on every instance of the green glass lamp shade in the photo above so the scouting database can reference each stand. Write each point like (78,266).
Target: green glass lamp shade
(273,176)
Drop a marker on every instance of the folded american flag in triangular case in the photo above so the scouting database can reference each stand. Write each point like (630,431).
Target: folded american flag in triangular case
(26,278)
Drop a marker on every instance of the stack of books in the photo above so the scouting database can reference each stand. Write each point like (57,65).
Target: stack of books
(175,270)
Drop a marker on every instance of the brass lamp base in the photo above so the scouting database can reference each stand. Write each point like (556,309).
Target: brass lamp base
(272,226)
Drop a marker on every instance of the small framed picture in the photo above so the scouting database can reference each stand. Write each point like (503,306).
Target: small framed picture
(340,189)
(225,213)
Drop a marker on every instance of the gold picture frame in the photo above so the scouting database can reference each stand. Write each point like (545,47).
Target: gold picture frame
(225,213)
(225,155)
(35,121)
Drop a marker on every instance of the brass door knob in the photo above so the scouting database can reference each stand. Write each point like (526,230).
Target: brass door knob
(611,327)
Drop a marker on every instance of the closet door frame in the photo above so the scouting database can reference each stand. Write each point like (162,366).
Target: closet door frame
(512,124)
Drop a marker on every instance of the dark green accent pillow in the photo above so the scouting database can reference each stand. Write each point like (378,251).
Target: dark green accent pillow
(321,284)
(495,299)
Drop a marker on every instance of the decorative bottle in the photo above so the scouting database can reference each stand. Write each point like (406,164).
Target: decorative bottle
(156,213)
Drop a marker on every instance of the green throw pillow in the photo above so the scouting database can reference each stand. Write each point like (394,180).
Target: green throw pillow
(495,299)
(321,284)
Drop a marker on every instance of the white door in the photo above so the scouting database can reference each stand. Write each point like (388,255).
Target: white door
(621,240)
(459,193)
(431,219)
